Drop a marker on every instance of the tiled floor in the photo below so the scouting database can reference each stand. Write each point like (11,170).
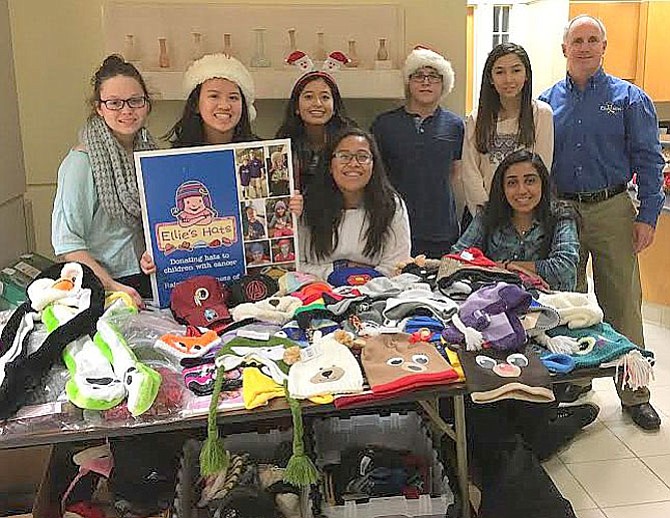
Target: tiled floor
(613,469)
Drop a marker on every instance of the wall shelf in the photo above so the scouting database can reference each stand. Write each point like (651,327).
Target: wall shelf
(277,84)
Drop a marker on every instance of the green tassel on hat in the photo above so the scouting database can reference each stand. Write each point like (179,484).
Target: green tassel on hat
(300,470)
(214,457)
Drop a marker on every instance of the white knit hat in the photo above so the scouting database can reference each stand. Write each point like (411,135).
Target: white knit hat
(577,310)
(224,67)
(333,370)
(423,57)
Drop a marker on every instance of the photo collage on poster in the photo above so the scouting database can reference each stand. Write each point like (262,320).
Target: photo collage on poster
(264,187)
(217,210)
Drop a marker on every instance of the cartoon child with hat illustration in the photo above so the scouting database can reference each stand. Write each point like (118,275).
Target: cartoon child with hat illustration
(193,204)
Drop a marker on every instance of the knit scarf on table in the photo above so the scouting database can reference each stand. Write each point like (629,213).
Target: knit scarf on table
(114,171)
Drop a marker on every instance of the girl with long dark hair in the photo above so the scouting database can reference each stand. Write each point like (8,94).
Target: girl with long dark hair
(96,216)
(353,216)
(315,113)
(523,226)
(507,119)
(219,110)
(220,104)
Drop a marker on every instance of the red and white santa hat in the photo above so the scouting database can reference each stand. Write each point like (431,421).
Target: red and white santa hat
(422,56)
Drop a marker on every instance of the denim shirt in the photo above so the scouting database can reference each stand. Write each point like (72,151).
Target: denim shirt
(558,268)
(603,135)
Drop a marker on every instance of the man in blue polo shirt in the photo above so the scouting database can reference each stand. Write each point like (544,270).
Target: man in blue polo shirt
(420,144)
(256,172)
(606,130)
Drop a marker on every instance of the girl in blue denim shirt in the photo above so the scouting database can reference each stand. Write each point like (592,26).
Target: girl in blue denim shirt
(523,227)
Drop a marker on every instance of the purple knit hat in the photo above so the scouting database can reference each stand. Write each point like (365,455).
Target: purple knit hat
(192,188)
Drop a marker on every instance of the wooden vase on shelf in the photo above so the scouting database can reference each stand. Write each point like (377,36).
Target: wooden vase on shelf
(196,48)
(129,50)
(382,51)
(163,56)
(354,61)
(382,61)
(320,54)
(227,46)
(291,41)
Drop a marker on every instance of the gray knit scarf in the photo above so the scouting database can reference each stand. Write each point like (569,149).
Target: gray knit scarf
(114,171)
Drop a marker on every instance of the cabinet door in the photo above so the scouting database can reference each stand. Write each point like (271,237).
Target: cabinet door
(621,20)
(657,52)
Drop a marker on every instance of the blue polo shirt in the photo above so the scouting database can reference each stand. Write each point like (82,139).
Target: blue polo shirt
(255,168)
(603,135)
(419,155)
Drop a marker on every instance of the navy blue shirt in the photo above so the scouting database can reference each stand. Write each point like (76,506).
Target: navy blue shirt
(603,135)
(419,155)
(256,168)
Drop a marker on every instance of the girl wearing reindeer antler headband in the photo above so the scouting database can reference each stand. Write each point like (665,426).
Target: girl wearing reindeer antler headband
(314,114)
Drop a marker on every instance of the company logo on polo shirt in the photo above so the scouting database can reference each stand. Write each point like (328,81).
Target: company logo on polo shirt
(610,108)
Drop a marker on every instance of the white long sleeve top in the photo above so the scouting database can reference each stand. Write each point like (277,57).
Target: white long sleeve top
(352,242)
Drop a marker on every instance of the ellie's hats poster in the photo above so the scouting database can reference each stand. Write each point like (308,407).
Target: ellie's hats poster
(217,210)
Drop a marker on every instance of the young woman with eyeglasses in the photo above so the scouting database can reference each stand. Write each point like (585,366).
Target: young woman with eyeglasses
(353,216)
(507,119)
(96,217)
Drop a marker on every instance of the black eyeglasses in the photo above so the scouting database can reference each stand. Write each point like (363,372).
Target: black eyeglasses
(345,157)
(118,104)
(419,77)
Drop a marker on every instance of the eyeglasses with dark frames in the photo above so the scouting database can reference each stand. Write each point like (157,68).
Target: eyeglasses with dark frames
(420,77)
(345,157)
(118,104)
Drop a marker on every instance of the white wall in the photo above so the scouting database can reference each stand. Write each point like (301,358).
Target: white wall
(12,176)
(537,25)
(58,44)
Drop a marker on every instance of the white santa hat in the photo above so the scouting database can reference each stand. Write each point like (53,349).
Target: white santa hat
(222,66)
(424,57)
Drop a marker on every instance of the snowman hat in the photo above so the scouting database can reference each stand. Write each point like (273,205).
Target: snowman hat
(421,56)
(222,66)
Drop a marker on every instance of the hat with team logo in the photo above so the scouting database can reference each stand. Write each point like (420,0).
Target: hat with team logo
(252,288)
(201,301)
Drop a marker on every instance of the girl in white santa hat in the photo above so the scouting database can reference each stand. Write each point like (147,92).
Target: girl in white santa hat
(219,108)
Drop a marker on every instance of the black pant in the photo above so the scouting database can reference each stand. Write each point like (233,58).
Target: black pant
(431,249)
(140,282)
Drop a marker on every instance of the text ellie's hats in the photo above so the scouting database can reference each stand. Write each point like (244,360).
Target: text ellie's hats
(424,57)
(224,67)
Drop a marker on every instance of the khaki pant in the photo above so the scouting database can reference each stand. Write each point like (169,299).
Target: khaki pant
(607,236)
